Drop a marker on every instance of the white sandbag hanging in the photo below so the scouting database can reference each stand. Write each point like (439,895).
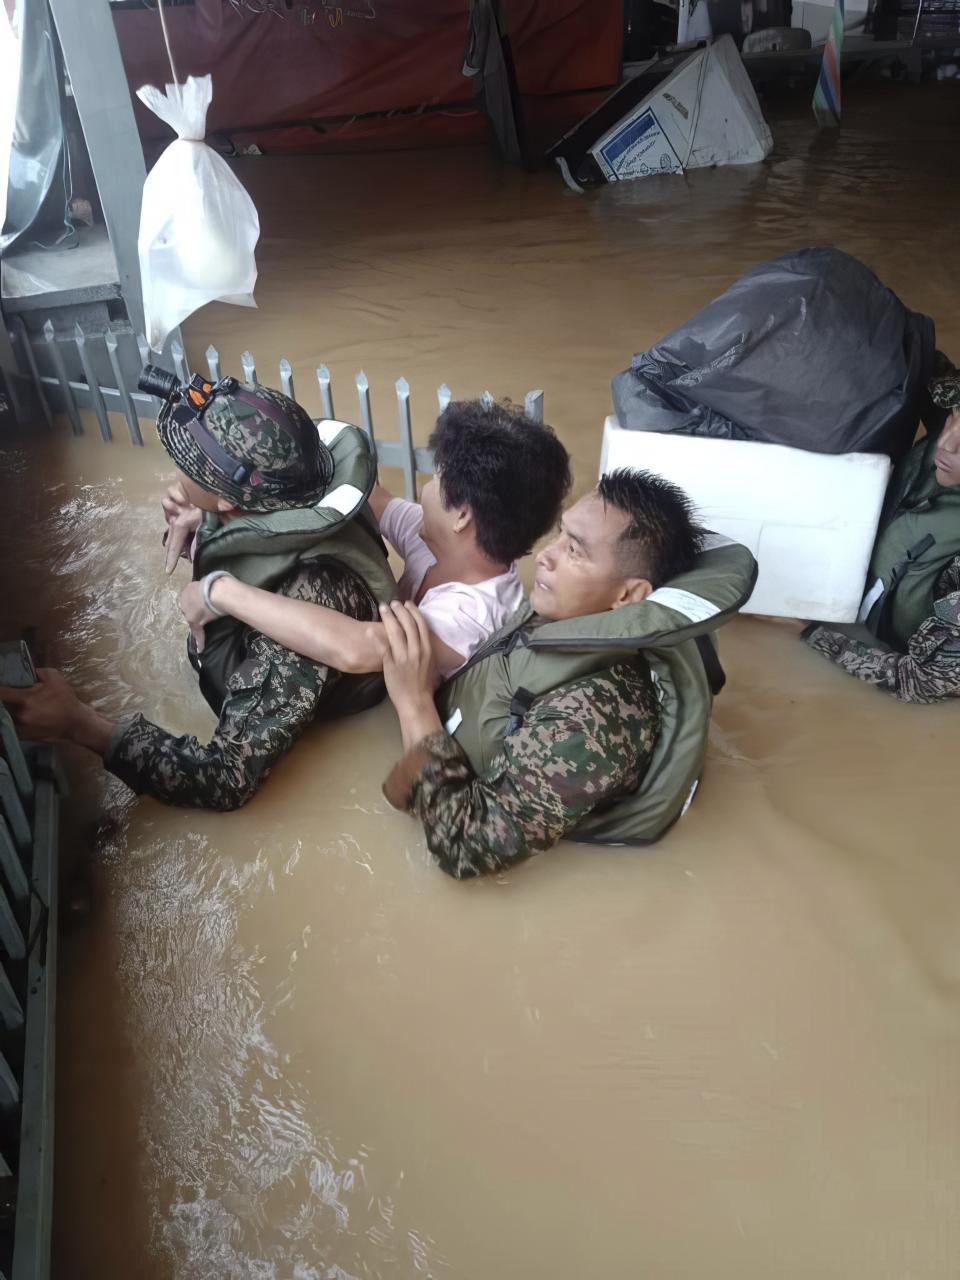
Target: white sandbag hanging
(198,226)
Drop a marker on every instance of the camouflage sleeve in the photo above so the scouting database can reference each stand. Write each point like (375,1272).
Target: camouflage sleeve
(949,581)
(271,698)
(580,746)
(930,669)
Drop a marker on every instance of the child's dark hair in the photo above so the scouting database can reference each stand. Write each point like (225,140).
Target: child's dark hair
(513,474)
(662,539)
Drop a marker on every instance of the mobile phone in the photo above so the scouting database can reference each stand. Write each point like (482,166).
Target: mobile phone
(16,665)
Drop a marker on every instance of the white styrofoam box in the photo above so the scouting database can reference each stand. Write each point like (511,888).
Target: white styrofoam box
(809,518)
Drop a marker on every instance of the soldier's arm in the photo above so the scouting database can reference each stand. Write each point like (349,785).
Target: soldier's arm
(320,633)
(271,698)
(316,631)
(928,672)
(578,747)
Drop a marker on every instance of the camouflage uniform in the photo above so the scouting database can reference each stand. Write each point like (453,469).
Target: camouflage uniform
(945,387)
(928,671)
(271,698)
(262,451)
(579,747)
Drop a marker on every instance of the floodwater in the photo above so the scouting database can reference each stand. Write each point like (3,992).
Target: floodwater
(289,1047)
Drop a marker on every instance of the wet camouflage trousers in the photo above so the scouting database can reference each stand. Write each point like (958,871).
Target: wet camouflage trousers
(581,746)
(930,669)
(271,698)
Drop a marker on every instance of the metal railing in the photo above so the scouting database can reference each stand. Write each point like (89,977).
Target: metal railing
(52,361)
(30,791)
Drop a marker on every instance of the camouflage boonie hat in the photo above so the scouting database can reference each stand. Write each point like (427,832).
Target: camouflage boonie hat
(945,391)
(266,454)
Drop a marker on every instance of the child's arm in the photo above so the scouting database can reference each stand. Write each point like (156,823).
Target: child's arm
(313,630)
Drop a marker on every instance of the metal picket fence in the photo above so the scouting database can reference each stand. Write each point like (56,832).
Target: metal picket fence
(98,370)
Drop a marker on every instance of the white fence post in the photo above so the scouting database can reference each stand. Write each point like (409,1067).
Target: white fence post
(249,367)
(326,394)
(407,454)
(363,395)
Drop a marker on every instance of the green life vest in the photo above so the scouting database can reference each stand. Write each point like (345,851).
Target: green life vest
(264,550)
(672,629)
(919,536)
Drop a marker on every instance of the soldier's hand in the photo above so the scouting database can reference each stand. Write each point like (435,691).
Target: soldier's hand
(824,640)
(174,500)
(51,711)
(196,613)
(408,662)
(183,521)
(408,670)
(48,710)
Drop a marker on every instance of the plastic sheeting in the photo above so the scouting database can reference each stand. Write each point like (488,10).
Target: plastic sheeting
(809,350)
(37,178)
(489,63)
(312,75)
(9,84)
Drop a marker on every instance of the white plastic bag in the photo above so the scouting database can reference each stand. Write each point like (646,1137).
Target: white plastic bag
(198,227)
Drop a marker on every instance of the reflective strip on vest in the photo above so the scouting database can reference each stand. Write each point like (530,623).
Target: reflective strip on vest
(694,607)
(328,429)
(870,599)
(345,498)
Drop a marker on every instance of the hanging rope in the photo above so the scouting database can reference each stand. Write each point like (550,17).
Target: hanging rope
(166,41)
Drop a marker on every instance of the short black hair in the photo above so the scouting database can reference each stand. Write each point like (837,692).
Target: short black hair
(662,539)
(513,474)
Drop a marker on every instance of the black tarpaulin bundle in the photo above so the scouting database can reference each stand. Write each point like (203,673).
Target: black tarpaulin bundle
(809,350)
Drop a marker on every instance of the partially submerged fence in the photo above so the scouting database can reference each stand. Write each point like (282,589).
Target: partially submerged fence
(98,370)
(30,790)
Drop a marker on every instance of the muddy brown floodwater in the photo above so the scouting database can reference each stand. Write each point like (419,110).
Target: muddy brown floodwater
(289,1048)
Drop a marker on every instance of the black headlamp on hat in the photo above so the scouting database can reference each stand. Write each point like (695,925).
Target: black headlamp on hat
(186,404)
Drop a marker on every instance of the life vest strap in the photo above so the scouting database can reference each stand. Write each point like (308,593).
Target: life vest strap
(716,676)
(520,704)
(915,552)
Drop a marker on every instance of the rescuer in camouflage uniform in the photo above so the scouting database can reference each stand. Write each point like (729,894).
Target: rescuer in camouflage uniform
(272,694)
(578,747)
(582,746)
(929,668)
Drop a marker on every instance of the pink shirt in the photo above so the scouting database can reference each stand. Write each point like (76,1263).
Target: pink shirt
(460,614)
